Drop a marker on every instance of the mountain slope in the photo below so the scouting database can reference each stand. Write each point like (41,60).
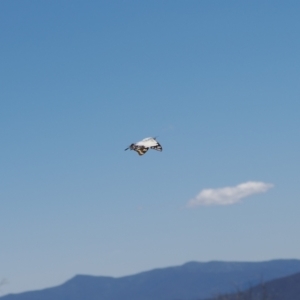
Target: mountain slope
(193,280)
(286,288)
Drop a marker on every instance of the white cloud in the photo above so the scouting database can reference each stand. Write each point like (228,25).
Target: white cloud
(229,195)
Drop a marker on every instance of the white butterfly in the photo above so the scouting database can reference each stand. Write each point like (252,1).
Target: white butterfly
(142,146)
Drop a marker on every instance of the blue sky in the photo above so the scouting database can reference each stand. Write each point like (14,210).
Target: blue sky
(216,81)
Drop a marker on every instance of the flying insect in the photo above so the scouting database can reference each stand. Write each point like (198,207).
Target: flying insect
(144,145)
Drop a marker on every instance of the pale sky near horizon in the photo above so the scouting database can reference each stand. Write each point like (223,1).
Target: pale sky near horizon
(217,81)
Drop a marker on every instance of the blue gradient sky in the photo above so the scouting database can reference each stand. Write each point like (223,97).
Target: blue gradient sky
(217,81)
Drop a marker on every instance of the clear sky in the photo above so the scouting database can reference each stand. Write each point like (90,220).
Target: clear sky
(217,81)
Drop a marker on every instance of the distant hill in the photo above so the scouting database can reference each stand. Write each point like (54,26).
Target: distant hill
(193,280)
(286,288)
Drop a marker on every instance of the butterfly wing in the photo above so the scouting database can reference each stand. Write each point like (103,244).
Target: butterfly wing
(157,147)
(141,150)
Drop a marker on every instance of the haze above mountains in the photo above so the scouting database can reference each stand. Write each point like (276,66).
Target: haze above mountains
(193,280)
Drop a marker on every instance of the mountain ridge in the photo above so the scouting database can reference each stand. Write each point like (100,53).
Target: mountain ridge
(285,288)
(191,280)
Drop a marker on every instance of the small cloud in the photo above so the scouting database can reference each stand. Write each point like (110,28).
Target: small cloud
(229,195)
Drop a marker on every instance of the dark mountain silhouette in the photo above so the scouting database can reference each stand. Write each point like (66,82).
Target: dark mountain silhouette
(286,288)
(190,281)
